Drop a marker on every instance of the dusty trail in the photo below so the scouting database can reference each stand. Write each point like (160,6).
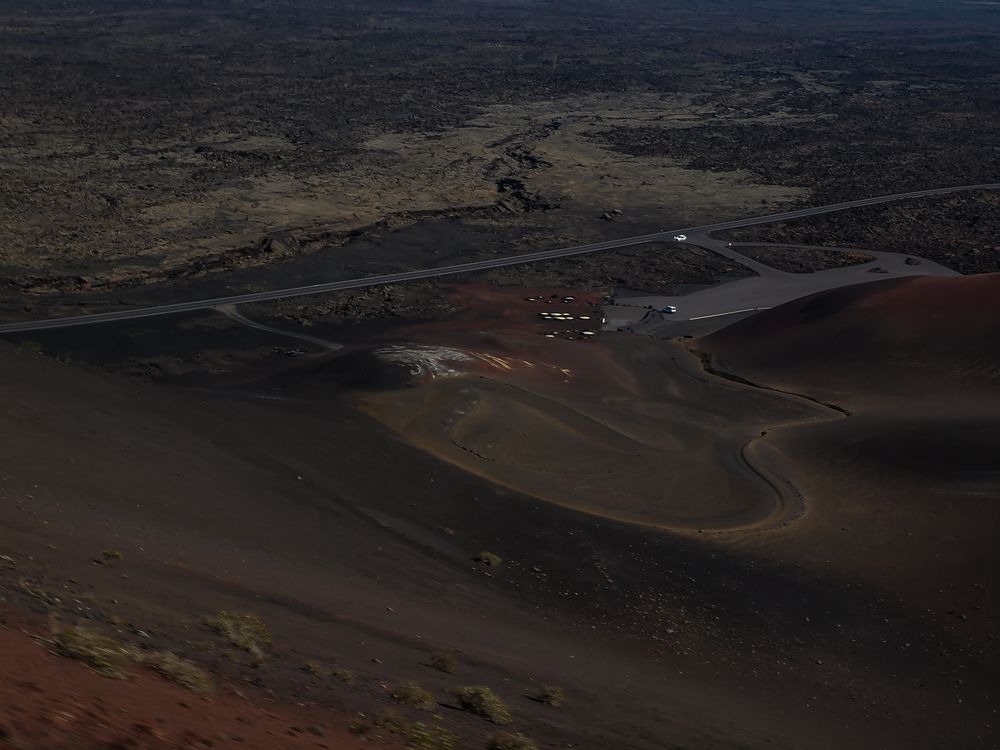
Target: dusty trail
(232,312)
(671,454)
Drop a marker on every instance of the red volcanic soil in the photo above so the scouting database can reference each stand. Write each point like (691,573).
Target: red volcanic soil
(912,337)
(512,308)
(505,334)
(47,701)
(504,328)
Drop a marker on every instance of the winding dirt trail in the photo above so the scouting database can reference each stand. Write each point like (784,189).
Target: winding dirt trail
(232,312)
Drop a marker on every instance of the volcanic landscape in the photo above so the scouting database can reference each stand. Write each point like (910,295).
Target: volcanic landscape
(723,488)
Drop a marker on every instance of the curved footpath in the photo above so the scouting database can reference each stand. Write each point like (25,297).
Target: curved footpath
(231,312)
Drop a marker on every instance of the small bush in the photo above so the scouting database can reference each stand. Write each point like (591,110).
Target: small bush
(388,720)
(418,736)
(444,662)
(436,737)
(488,558)
(244,631)
(550,695)
(344,675)
(509,741)
(110,658)
(100,653)
(391,721)
(412,695)
(483,702)
(360,726)
(179,670)
(315,669)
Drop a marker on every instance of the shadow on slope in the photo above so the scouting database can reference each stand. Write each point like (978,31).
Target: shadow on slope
(914,337)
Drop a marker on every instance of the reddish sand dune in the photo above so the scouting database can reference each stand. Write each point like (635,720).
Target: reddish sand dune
(911,337)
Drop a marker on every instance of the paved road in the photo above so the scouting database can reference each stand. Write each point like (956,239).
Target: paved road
(706,310)
(482,265)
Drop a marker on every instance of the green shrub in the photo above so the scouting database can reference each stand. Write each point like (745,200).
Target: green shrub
(550,695)
(111,658)
(444,662)
(412,695)
(100,653)
(179,670)
(244,631)
(391,721)
(436,737)
(316,669)
(344,675)
(483,702)
(418,736)
(488,558)
(360,726)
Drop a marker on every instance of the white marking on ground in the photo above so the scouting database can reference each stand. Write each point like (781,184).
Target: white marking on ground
(425,359)
(731,312)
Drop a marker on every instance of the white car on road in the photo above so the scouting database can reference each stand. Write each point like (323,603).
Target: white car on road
(680,237)
(669,309)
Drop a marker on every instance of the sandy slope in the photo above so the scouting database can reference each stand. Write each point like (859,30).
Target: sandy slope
(903,493)
(353,539)
(48,702)
(356,551)
(912,338)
